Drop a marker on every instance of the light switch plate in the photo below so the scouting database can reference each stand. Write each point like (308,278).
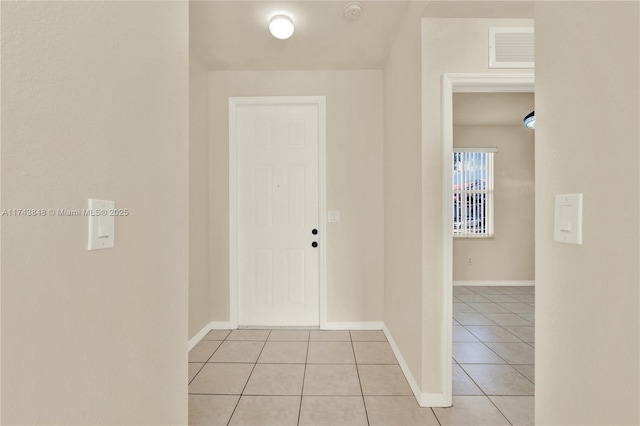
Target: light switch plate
(334,216)
(568,219)
(101,224)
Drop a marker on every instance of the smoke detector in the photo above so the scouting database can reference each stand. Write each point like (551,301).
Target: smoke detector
(352,11)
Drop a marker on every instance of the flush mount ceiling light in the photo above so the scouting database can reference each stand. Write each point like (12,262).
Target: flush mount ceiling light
(281,27)
(530,120)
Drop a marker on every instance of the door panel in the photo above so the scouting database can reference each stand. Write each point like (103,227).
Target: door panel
(277,208)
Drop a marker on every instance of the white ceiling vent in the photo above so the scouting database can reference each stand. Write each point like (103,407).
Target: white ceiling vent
(511,47)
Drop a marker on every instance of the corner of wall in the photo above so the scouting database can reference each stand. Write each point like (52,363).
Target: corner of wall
(402,193)
(199,217)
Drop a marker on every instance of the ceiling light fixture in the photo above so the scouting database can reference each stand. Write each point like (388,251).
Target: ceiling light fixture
(281,27)
(530,120)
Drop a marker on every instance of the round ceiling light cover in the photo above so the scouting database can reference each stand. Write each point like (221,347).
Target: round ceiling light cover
(281,27)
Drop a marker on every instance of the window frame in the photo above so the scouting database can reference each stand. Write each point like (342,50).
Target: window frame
(485,189)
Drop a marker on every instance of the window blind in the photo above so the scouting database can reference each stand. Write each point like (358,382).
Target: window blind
(473,191)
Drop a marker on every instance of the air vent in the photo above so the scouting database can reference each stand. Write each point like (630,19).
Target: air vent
(511,47)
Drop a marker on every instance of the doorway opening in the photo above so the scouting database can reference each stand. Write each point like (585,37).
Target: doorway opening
(462,83)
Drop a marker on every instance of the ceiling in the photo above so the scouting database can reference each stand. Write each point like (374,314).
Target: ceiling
(491,109)
(499,9)
(233,35)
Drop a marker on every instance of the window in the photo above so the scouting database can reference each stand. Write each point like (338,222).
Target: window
(473,192)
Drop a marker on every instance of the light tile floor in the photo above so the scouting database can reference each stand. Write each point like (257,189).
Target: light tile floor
(493,357)
(332,378)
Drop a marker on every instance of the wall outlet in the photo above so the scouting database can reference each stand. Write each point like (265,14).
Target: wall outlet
(469,261)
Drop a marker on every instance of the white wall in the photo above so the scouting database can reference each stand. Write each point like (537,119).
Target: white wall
(587,296)
(199,283)
(95,104)
(354,182)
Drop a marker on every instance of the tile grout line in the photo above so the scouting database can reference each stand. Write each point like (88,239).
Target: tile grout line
(195,375)
(304,376)
(487,346)
(499,411)
(248,378)
(355,360)
(501,326)
(435,416)
(474,382)
(205,363)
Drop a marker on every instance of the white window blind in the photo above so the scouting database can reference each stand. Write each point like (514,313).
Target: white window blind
(473,192)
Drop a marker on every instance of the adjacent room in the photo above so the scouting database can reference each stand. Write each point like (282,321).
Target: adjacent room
(493,249)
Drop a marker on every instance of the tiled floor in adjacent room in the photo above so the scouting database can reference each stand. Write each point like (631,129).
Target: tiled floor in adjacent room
(332,378)
(493,356)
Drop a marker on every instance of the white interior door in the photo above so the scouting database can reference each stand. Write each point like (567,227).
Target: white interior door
(277,214)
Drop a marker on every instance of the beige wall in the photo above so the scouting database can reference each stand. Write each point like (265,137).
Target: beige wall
(509,255)
(587,296)
(95,104)
(354,182)
(448,46)
(199,285)
(402,191)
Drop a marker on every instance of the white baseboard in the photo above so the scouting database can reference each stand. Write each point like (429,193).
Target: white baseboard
(366,325)
(494,283)
(424,399)
(213,325)
(435,400)
(403,366)
(222,325)
(199,336)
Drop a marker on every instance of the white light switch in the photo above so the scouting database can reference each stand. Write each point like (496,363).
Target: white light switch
(565,218)
(334,216)
(568,219)
(101,224)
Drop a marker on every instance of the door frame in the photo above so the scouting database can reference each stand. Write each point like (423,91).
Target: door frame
(462,83)
(234,103)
